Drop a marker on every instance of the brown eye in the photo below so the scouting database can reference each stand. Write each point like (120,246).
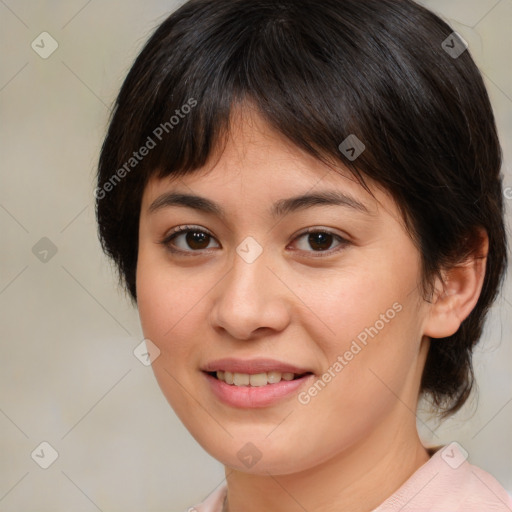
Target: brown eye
(197,239)
(320,241)
(188,239)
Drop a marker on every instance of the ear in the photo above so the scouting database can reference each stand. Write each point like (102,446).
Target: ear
(457,293)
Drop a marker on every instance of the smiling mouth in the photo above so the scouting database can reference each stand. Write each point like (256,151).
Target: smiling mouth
(257,379)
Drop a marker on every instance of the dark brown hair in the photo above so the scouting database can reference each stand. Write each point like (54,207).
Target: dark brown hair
(381,70)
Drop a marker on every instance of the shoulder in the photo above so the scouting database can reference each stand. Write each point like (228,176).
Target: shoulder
(483,492)
(449,483)
(446,483)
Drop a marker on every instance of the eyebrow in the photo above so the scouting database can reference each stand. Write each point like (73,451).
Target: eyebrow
(279,208)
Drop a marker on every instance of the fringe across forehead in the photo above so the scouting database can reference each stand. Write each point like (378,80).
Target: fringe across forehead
(316,80)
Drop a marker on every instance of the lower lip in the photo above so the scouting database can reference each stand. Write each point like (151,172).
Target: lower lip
(254,396)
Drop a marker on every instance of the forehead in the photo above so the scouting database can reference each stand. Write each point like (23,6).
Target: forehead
(256,164)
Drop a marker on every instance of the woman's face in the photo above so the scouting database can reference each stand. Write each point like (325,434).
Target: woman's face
(247,292)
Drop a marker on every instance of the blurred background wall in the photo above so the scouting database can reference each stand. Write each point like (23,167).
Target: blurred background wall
(68,375)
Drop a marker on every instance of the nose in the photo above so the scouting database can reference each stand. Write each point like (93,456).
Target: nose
(251,300)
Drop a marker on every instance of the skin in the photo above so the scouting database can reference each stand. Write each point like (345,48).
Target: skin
(356,441)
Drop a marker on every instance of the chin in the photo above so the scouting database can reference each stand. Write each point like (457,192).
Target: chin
(256,455)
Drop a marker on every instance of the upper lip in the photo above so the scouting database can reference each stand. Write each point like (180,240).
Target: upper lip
(252,366)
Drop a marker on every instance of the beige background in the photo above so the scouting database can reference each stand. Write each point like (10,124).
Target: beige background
(68,375)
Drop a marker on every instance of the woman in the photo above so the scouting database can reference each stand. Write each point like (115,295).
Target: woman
(247,135)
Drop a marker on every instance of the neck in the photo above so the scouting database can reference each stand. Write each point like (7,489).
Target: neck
(357,480)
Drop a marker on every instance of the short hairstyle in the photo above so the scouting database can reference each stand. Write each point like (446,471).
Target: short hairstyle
(319,72)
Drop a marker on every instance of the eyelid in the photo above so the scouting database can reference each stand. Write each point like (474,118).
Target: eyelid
(319,229)
(187,227)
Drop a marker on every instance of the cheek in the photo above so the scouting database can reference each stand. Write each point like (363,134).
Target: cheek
(162,306)
(356,305)
(173,309)
(374,335)
(166,314)
(164,295)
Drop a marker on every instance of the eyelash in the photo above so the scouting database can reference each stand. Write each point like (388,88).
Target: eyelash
(185,229)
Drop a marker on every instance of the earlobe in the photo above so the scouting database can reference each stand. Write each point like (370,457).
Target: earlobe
(457,293)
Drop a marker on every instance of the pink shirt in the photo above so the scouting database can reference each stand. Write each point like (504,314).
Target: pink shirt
(445,483)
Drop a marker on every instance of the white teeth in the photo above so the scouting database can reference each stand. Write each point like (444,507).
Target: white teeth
(273,377)
(241,379)
(256,380)
(259,379)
